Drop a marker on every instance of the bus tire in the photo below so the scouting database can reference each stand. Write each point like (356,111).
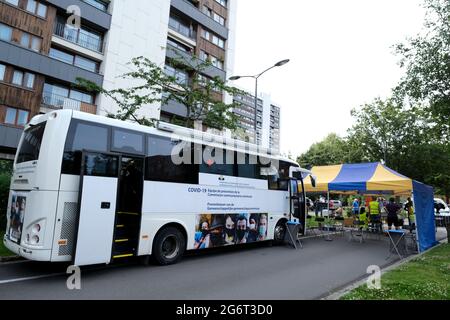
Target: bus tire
(169,246)
(279,232)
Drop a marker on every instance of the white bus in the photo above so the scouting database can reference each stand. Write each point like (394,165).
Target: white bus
(92,190)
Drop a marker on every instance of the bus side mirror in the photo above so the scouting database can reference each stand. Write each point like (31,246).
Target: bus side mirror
(313,181)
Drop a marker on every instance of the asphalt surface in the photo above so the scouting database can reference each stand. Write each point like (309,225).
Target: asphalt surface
(255,272)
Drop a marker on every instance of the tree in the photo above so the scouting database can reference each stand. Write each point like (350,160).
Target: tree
(332,150)
(201,95)
(5,180)
(426,59)
(403,138)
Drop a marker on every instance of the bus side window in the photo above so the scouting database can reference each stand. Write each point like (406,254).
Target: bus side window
(277,175)
(82,136)
(159,165)
(248,166)
(101,165)
(127,141)
(214,161)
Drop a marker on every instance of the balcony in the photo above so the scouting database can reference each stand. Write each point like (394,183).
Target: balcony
(56,102)
(80,37)
(182,28)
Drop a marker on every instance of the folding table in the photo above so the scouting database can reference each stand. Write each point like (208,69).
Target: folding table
(291,236)
(397,239)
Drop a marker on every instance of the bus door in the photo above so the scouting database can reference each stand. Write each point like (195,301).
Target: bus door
(97,208)
(297,202)
(129,207)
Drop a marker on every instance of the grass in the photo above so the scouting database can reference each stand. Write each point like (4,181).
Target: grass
(424,278)
(3,251)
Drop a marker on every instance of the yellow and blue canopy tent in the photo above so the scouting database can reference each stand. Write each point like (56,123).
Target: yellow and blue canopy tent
(376,178)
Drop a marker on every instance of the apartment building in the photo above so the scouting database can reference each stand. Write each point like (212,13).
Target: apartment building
(42,53)
(259,122)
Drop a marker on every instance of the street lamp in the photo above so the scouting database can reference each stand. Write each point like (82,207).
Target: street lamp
(256,77)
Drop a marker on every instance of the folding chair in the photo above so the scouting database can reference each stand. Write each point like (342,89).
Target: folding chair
(292,231)
(375,226)
(339,224)
(357,230)
(397,242)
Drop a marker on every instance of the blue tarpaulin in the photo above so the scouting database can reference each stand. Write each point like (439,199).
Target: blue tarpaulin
(423,203)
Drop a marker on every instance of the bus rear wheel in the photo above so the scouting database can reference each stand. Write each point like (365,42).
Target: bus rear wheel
(279,232)
(169,246)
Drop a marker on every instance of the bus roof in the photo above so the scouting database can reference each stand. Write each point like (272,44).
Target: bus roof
(172,131)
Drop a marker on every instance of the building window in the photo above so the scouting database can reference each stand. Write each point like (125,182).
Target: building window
(5,32)
(17,78)
(182,27)
(58,96)
(22,118)
(36,43)
(13,2)
(179,45)
(222,2)
(25,40)
(23,79)
(86,64)
(37,8)
(2,72)
(29,80)
(101,5)
(180,75)
(218,18)
(81,96)
(84,36)
(216,62)
(213,38)
(16,117)
(75,60)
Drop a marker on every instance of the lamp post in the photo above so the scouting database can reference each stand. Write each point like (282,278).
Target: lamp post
(256,77)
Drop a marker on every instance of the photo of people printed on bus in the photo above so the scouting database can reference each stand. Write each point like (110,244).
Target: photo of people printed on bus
(216,230)
(18,204)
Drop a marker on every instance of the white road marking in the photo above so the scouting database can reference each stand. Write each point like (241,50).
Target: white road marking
(30,278)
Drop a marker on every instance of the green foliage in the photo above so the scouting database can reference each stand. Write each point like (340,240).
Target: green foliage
(426,60)
(5,180)
(3,251)
(424,278)
(332,150)
(200,95)
(384,130)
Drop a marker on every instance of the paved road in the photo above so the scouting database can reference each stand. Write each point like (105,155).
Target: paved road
(259,272)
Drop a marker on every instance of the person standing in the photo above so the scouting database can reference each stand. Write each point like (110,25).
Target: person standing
(355,207)
(375,213)
(409,207)
(392,210)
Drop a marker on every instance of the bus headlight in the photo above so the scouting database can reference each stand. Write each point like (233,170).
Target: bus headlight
(34,240)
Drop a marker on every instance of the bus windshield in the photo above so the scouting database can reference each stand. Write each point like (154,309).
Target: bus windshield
(31,143)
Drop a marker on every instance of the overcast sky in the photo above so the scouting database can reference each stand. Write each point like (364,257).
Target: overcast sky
(341,57)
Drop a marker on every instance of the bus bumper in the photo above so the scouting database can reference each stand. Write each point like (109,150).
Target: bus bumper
(27,253)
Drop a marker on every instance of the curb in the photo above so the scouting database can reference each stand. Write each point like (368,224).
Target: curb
(340,293)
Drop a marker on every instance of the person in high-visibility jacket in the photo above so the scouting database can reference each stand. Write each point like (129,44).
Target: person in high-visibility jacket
(375,213)
(363,217)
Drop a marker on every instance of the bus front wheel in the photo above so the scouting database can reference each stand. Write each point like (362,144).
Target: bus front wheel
(168,246)
(279,232)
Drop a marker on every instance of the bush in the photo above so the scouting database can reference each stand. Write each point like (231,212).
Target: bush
(5,180)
